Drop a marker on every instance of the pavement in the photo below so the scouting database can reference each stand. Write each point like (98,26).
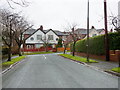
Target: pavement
(104,65)
(53,71)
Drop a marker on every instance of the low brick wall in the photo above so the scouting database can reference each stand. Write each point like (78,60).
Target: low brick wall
(102,57)
(114,55)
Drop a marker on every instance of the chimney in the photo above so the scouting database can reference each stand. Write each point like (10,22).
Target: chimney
(41,27)
(92,27)
(111,30)
(50,29)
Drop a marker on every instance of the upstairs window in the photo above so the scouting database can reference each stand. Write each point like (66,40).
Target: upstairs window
(31,38)
(50,37)
(39,37)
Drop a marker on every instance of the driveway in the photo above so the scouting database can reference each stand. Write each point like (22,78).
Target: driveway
(53,71)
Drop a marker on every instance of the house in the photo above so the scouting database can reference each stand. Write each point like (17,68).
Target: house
(37,38)
(81,33)
(92,32)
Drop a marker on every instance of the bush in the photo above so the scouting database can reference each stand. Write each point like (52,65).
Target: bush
(114,41)
(97,44)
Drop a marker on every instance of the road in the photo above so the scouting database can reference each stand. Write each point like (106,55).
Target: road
(52,71)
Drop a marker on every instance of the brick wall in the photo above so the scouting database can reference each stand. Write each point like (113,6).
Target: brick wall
(114,55)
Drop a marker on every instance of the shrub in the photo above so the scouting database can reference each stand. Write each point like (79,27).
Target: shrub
(114,41)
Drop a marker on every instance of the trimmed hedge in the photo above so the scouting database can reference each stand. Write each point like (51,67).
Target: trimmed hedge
(97,44)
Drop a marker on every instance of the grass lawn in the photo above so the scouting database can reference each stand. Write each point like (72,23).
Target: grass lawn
(117,69)
(14,60)
(32,53)
(77,58)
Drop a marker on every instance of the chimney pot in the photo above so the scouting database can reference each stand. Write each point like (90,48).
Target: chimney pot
(41,27)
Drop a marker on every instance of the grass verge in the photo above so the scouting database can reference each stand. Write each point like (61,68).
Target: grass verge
(33,53)
(117,69)
(14,60)
(76,58)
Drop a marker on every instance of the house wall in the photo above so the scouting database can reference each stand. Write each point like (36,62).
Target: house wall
(101,33)
(26,35)
(39,43)
(93,32)
(35,38)
(55,37)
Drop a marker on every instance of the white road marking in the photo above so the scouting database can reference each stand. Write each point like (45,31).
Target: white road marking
(44,56)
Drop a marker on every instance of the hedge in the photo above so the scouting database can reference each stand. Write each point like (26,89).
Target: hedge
(97,44)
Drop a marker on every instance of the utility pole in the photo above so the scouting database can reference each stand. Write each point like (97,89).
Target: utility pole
(88,32)
(106,33)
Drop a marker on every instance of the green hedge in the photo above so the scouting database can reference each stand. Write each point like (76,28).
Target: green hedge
(97,44)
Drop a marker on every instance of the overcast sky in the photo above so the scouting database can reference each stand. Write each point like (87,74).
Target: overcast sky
(56,14)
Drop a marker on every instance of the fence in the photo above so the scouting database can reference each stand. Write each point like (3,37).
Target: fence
(62,49)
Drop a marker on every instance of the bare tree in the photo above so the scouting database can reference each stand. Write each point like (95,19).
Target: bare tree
(22,3)
(116,23)
(74,37)
(7,29)
(65,44)
(45,41)
(19,28)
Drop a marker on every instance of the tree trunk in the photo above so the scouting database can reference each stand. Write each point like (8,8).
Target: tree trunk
(19,50)
(65,48)
(46,48)
(9,54)
(73,53)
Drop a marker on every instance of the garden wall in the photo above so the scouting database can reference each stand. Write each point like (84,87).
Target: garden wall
(114,55)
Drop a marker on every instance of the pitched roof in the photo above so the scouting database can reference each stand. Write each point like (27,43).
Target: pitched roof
(99,30)
(84,31)
(57,32)
(33,33)
(30,31)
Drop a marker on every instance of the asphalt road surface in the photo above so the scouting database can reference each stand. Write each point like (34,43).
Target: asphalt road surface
(52,71)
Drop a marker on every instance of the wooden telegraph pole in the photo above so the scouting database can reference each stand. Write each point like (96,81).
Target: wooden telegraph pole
(106,33)
(88,32)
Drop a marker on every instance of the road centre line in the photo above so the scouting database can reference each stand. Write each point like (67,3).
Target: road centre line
(44,56)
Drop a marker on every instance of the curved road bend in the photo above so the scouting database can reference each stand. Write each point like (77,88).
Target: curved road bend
(52,71)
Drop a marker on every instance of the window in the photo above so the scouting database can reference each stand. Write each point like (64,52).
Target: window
(31,38)
(56,39)
(39,37)
(94,35)
(50,37)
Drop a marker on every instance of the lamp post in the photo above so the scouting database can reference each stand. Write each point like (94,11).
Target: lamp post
(88,32)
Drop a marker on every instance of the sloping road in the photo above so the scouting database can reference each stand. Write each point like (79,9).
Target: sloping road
(52,71)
